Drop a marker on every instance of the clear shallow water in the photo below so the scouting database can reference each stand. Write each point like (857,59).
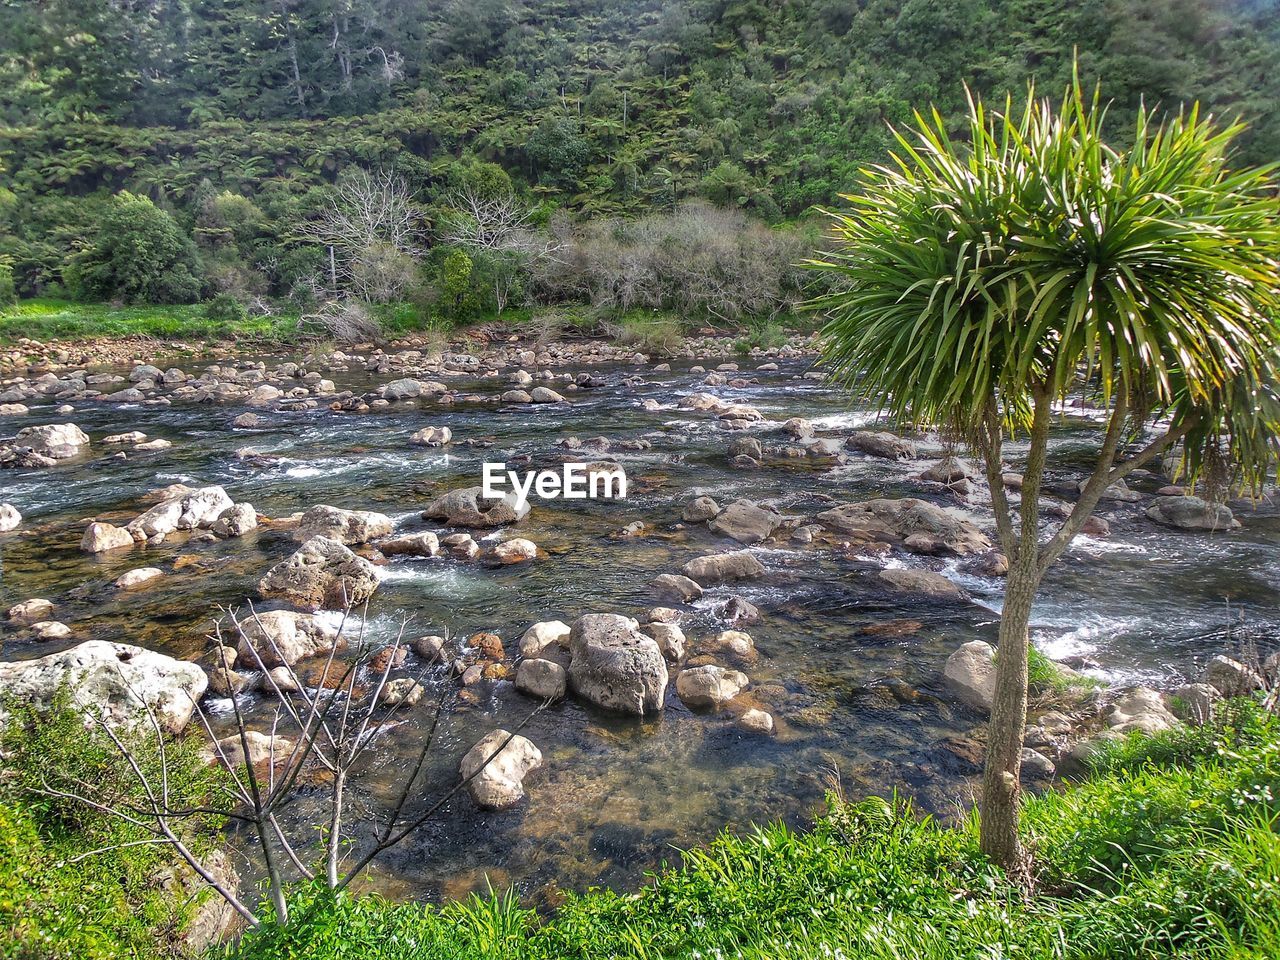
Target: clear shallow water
(616,795)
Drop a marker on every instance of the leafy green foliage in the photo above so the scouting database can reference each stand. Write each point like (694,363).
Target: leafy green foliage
(224,308)
(76,884)
(139,255)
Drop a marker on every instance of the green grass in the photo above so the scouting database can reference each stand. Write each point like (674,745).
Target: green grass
(1169,849)
(48,320)
(76,884)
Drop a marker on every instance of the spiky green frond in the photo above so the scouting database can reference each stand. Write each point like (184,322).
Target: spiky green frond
(1035,256)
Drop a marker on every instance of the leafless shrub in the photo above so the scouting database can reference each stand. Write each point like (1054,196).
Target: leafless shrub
(346,321)
(697,259)
(371,228)
(330,729)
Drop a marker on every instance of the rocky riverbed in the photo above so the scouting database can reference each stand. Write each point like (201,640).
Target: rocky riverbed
(789,589)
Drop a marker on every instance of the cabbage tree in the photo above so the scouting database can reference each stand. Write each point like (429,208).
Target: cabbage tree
(981,280)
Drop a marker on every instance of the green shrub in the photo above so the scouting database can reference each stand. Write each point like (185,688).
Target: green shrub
(139,255)
(653,333)
(761,334)
(224,308)
(58,897)
(8,292)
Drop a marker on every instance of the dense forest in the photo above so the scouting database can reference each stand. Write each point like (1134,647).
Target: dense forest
(218,128)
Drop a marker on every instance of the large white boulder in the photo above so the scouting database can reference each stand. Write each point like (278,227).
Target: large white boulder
(970,673)
(57,441)
(615,666)
(116,681)
(498,774)
(279,637)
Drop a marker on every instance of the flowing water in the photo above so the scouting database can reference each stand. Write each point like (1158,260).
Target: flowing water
(616,796)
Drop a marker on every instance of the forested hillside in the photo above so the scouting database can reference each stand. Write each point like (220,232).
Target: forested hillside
(596,107)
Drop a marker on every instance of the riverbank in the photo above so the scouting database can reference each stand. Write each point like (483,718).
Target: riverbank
(44,334)
(1167,848)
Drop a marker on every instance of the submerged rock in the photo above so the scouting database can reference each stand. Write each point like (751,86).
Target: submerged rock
(615,666)
(117,681)
(699,510)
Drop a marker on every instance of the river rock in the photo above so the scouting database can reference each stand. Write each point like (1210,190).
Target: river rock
(970,674)
(615,666)
(322,573)
(99,537)
(1231,678)
(1142,709)
(926,582)
(540,638)
(406,389)
(10,518)
(699,510)
(545,395)
(1192,513)
(1118,491)
(45,630)
(196,509)
(14,409)
(235,521)
(517,550)
(738,610)
(422,544)
(735,642)
(30,611)
(709,687)
(722,567)
(57,441)
(669,637)
(115,680)
(431,437)
(469,507)
(879,443)
(949,470)
(402,692)
(263,748)
(756,721)
(279,638)
(799,427)
(893,521)
(1193,702)
(671,586)
(430,649)
(344,526)
(541,679)
(136,578)
(745,522)
(461,545)
(495,773)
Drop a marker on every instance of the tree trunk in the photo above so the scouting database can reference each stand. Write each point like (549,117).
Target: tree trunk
(1001,782)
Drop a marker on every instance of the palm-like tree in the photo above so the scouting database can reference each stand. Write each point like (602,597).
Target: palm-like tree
(982,283)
